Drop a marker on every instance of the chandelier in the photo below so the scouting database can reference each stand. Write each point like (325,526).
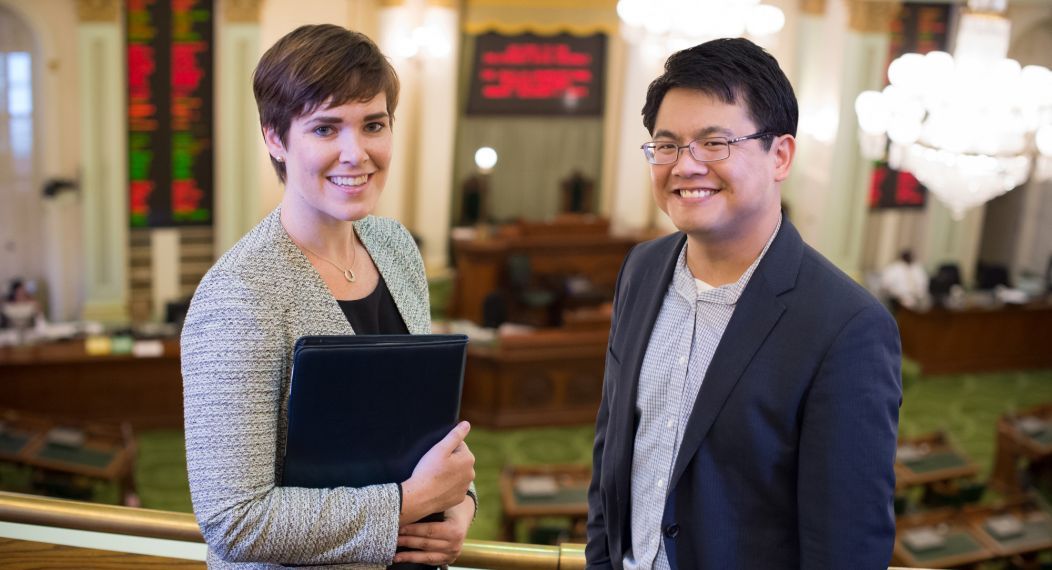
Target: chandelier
(970,126)
(684,23)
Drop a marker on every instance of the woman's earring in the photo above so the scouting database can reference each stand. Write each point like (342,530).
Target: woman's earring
(279,158)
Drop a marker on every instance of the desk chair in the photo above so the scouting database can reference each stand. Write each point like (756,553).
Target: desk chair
(530,303)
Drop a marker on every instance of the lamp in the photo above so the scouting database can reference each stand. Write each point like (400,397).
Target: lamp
(970,126)
(474,205)
(682,23)
(485,159)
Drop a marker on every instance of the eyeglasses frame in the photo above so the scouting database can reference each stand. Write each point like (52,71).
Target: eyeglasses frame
(679,148)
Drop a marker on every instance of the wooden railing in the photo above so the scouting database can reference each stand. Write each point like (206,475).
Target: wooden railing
(60,513)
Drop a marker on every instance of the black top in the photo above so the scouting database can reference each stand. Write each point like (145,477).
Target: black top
(376,313)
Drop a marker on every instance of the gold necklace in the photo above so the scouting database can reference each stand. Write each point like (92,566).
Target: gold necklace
(348,273)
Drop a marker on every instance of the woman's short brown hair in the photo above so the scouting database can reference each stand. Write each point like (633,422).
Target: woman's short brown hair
(318,65)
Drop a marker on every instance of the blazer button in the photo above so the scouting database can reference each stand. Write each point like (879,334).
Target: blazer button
(672,530)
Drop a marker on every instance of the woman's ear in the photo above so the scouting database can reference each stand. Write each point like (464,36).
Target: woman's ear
(784,150)
(275,147)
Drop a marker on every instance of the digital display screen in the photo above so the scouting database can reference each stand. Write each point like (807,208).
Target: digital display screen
(529,74)
(170,164)
(890,188)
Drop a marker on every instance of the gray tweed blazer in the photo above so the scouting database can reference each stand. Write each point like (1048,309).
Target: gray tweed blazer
(237,343)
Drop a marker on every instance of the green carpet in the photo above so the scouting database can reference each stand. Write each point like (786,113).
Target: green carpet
(162,482)
(965,406)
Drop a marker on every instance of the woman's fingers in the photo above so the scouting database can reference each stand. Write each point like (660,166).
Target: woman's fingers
(426,544)
(435,543)
(432,558)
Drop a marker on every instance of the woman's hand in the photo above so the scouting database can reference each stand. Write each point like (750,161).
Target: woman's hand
(437,543)
(440,479)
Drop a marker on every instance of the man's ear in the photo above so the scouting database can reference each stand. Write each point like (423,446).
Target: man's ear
(274,145)
(784,149)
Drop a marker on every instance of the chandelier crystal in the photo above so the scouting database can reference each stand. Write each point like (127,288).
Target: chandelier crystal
(683,23)
(970,126)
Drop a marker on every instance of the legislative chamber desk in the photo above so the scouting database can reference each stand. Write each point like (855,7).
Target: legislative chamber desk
(544,378)
(582,249)
(947,341)
(60,380)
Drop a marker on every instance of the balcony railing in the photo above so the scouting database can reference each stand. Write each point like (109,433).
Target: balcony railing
(76,515)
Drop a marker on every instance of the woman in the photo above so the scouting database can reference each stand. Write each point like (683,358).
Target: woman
(318,264)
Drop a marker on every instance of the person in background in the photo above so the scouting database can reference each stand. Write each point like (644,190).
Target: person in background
(905,282)
(319,264)
(19,300)
(750,402)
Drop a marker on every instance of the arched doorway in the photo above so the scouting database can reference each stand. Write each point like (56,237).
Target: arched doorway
(21,206)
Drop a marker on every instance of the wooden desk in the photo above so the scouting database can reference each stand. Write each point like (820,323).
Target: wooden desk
(931,459)
(969,538)
(60,379)
(1015,446)
(107,453)
(480,263)
(551,377)
(962,543)
(568,496)
(974,340)
(1036,533)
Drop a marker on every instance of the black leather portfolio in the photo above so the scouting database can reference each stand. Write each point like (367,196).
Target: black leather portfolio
(364,409)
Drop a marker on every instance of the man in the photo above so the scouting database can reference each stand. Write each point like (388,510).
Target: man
(905,282)
(750,403)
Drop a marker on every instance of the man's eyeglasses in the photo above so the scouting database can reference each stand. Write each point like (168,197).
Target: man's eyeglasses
(702,150)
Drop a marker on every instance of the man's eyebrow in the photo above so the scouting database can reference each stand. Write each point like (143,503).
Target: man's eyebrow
(711,131)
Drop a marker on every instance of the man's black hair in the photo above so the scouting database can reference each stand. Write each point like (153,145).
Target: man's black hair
(734,71)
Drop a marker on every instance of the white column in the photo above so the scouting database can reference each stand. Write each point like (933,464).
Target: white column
(237,192)
(104,186)
(632,207)
(62,264)
(845,218)
(419,189)
(164,268)
(819,48)
(864,52)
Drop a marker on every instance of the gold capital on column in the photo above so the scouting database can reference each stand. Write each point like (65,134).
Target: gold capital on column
(244,11)
(98,10)
(813,7)
(872,16)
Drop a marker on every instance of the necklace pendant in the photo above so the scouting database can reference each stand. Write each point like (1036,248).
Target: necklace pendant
(349,275)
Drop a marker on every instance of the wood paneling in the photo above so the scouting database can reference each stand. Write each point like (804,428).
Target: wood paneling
(976,340)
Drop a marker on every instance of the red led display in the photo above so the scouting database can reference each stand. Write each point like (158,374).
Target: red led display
(537,75)
(170,112)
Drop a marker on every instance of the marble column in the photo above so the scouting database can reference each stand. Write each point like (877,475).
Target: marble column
(865,51)
(419,189)
(238,148)
(103,143)
(631,207)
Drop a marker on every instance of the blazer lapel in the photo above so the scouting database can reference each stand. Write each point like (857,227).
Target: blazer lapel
(393,273)
(757,312)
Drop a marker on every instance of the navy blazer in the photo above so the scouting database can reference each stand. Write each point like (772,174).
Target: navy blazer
(787,458)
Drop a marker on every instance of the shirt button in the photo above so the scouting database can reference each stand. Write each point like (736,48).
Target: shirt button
(661,483)
(683,360)
(670,423)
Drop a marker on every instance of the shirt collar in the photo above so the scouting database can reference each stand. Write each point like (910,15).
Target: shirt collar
(683,279)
